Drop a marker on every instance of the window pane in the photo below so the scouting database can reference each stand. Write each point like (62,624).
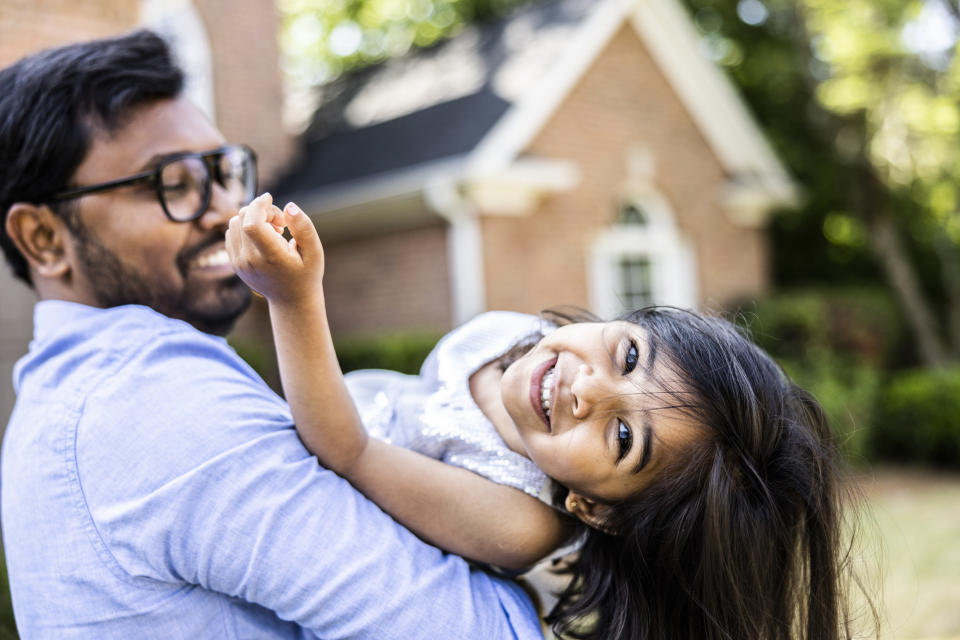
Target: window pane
(630,213)
(636,282)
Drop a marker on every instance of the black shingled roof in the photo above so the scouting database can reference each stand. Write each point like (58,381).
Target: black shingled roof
(333,152)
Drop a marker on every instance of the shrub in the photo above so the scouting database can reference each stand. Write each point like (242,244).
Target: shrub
(918,418)
(858,323)
(403,352)
(834,343)
(848,391)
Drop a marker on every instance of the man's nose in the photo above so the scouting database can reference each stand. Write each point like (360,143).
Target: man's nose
(222,207)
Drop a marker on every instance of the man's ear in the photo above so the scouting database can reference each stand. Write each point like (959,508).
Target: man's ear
(589,511)
(40,236)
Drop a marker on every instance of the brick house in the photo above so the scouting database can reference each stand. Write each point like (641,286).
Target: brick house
(236,83)
(575,152)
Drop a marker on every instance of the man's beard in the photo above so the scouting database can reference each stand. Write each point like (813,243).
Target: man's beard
(115,283)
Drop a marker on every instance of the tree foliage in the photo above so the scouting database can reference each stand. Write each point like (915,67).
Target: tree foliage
(860,98)
(323,38)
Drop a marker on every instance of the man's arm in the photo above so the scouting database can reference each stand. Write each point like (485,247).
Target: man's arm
(200,479)
(453,508)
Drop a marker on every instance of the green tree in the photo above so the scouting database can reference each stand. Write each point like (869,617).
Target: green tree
(321,39)
(860,98)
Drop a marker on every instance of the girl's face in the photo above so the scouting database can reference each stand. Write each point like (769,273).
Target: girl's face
(589,404)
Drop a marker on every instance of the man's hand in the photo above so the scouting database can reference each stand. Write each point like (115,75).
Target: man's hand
(283,271)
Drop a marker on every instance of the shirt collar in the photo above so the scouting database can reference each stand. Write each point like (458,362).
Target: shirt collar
(49,316)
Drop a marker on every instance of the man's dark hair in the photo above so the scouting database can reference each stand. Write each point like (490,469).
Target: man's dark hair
(51,103)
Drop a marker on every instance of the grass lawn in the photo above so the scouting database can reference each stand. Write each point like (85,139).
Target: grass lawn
(913,525)
(917,534)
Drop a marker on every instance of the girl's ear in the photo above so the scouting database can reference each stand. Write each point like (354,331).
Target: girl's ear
(589,511)
(39,236)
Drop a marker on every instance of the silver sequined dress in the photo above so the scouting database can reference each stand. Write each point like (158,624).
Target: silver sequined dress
(434,412)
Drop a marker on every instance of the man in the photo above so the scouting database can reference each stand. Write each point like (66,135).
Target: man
(153,486)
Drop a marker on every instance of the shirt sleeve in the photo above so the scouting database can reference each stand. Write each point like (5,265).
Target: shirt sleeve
(193,474)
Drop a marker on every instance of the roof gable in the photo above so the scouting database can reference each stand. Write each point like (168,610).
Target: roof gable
(484,95)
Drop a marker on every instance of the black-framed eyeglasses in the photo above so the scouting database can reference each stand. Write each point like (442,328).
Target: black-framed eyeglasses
(183,181)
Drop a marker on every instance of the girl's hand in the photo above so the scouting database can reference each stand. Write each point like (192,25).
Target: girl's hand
(283,271)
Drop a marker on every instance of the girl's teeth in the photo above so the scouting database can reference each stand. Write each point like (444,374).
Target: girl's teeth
(546,390)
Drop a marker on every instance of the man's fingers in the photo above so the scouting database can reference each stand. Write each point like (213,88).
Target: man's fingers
(302,231)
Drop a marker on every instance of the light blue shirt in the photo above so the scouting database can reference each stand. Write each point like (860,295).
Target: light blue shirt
(154,487)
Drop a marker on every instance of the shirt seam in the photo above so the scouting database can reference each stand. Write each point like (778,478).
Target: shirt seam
(73,469)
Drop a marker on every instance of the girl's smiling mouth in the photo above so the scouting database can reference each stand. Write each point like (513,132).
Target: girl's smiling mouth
(542,395)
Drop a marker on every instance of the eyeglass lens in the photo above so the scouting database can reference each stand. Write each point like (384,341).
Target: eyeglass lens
(185,182)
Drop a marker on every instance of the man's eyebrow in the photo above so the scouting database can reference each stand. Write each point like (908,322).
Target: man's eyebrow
(647,446)
(157,158)
(154,160)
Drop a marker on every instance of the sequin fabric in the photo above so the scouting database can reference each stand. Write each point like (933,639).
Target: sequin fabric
(435,414)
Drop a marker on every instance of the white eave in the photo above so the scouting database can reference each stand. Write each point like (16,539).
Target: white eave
(514,189)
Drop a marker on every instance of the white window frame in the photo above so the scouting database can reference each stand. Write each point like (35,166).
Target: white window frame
(671,255)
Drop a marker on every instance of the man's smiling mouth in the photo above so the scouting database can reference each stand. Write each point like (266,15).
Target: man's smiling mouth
(214,258)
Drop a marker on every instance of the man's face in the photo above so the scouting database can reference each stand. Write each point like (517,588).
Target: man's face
(129,252)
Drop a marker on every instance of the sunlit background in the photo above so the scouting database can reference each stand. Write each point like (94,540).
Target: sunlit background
(790,163)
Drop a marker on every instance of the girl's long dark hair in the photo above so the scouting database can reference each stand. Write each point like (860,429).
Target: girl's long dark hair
(740,535)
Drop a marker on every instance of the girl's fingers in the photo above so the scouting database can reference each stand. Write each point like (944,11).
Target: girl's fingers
(234,240)
(303,232)
(258,223)
(273,215)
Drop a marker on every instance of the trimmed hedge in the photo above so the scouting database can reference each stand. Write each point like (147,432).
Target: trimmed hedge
(859,323)
(403,352)
(836,344)
(918,419)
(848,392)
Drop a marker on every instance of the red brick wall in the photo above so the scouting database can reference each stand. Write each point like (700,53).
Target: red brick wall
(27,26)
(395,281)
(623,100)
(248,83)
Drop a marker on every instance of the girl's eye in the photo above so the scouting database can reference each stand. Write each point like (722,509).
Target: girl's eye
(631,359)
(624,439)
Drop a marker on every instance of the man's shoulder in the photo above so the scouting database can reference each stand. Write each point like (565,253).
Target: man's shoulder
(167,365)
(105,340)
(129,373)
(90,336)
(175,399)
(134,326)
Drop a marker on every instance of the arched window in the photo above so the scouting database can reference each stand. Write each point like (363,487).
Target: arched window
(634,275)
(632,214)
(641,259)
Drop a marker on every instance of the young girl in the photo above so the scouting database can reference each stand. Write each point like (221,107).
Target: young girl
(706,485)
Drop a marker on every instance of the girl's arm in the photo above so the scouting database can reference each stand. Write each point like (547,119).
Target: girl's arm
(450,507)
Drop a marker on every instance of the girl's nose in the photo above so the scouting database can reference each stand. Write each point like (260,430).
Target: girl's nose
(585,390)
